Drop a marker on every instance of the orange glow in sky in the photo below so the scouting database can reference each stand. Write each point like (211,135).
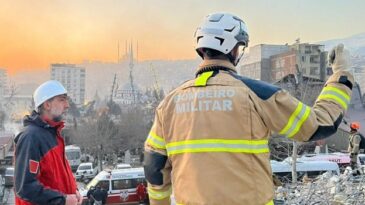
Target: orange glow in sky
(34,34)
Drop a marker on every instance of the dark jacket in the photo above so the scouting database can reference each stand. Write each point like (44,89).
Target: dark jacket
(100,194)
(42,173)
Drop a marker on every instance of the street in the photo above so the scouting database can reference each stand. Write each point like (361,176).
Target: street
(9,198)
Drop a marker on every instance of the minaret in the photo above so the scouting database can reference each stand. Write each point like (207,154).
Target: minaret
(137,53)
(126,51)
(118,58)
(131,65)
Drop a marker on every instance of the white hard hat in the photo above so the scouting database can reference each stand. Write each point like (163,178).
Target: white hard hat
(221,32)
(47,91)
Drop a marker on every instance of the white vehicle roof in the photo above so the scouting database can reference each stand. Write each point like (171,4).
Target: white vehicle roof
(71,147)
(123,166)
(130,173)
(303,166)
(86,163)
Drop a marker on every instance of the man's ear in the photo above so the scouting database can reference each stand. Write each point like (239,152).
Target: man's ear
(47,105)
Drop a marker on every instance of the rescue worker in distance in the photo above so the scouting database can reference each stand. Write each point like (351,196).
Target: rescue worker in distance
(355,141)
(209,140)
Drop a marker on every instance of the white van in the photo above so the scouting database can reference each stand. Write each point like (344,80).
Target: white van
(310,168)
(121,185)
(86,170)
(73,155)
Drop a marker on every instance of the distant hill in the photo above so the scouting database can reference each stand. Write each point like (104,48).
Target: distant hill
(355,43)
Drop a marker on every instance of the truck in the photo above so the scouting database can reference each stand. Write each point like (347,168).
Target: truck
(73,155)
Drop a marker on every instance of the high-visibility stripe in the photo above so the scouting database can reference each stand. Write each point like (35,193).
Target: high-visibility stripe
(156,141)
(296,120)
(335,94)
(299,123)
(158,195)
(338,91)
(270,202)
(203,78)
(218,145)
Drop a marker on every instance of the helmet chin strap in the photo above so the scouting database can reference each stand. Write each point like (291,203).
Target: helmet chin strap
(237,60)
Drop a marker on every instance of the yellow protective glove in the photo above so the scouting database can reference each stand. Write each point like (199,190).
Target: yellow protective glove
(339,58)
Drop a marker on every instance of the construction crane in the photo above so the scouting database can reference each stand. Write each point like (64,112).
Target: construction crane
(156,85)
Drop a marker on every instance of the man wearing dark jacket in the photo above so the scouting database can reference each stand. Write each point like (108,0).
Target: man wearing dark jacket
(42,173)
(99,195)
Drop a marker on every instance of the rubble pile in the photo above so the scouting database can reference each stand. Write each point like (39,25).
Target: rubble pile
(344,189)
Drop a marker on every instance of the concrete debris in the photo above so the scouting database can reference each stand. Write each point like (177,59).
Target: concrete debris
(326,189)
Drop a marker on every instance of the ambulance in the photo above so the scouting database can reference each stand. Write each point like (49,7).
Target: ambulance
(312,169)
(121,185)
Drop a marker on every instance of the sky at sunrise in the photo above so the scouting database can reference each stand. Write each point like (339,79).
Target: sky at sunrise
(34,34)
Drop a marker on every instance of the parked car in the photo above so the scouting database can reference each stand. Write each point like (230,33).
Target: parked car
(9,176)
(86,170)
(122,166)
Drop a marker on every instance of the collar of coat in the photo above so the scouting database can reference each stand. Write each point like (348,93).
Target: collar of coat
(216,64)
(36,119)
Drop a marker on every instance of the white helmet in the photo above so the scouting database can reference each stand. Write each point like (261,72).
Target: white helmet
(221,32)
(47,91)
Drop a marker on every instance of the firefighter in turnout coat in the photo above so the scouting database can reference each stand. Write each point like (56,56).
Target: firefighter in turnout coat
(209,140)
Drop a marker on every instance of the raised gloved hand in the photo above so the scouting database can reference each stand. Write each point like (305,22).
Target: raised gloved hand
(339,58)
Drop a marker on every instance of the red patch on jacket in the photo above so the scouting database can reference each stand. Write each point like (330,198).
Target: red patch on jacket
(33,166)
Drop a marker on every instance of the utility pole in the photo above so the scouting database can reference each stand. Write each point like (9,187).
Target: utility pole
(113,87)
(298,95)
(100,155)
(156,86)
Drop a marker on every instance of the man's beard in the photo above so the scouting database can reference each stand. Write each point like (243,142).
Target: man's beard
(58,118)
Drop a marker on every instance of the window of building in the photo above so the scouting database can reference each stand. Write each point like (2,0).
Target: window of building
(314,71)
(313,59)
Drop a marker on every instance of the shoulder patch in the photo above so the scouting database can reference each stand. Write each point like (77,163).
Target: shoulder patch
(262,89)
